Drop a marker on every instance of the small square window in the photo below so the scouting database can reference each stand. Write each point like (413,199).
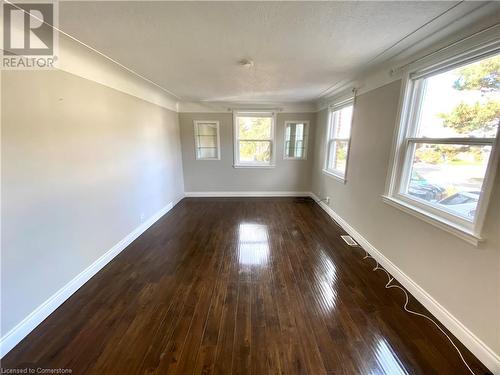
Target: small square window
(207,141)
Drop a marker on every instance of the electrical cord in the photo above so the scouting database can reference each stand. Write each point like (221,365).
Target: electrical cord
(388,285)
(405,307)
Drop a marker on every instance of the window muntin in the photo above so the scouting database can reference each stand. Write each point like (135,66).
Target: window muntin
(339,134)
(450,129)
(254,138)
(296,138)
(206,136)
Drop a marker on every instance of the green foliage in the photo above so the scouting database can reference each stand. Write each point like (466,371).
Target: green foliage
(255,151)
(450,152)
(482,116)
(484,75)
(467,118)
(438,154)
(254,129)
(428,156)
(341,151)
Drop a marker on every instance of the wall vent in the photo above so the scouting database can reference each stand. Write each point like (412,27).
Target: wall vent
(349,240)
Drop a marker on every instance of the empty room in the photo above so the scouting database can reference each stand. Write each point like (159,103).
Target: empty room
(250,187)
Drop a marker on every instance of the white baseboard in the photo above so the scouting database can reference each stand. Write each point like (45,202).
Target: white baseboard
(484,353)
(247,194)
(28,324)
(472,342)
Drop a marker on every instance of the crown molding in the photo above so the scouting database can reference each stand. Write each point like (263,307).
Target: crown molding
(76,59)
(462,22)
(218,107)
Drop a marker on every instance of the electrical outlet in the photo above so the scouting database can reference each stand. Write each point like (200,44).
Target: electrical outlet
(327,200)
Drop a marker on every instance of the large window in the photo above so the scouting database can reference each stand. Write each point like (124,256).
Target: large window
(296,137)
(254,139)
(206,139)
(338,140)
(444,160)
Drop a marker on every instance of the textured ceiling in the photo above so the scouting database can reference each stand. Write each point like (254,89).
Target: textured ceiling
(192,48)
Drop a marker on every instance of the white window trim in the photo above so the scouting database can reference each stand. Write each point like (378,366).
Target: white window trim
(336,174)
(464,229)
(237,163)
(306,133)
(196,146)
(338,177)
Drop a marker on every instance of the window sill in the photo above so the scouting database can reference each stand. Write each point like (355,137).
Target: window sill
(264,166)
(335,176)
(448,226)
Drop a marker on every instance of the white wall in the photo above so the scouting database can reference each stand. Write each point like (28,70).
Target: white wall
(83,164)
(89,149)
(462,278)
(220,175)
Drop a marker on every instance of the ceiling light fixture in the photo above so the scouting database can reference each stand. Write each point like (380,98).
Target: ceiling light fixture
(246,63)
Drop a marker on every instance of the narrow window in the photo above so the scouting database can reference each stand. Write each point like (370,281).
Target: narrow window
(207,141)
(338,140)
(254,139)
(296,138)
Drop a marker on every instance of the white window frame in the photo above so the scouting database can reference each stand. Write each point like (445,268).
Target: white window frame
(335,173)
(196,139)
(236,140)
(400,165)
(306,140)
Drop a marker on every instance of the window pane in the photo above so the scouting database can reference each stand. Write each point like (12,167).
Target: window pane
(295,131)
(204,153)
(342,122)
(294,140)
(254,127)
(337,156)
(295,152)
(299,152)
(255,151)
(463,102)
(299,131)
(449,176)
(289,149)
(207,141)
(207,129)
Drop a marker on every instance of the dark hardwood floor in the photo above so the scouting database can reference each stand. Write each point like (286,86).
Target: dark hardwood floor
(240,286)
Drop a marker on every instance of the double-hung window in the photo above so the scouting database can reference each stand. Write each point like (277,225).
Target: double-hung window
(444,160)
(338,139)
(296,138)
(254,139)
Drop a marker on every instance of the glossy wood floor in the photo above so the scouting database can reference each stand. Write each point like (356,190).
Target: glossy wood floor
(239,286)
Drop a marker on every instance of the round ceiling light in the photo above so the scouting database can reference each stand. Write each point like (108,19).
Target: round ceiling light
(246,63)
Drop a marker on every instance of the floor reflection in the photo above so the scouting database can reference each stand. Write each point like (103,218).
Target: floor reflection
(387,360)
(253,244)
(326,272)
